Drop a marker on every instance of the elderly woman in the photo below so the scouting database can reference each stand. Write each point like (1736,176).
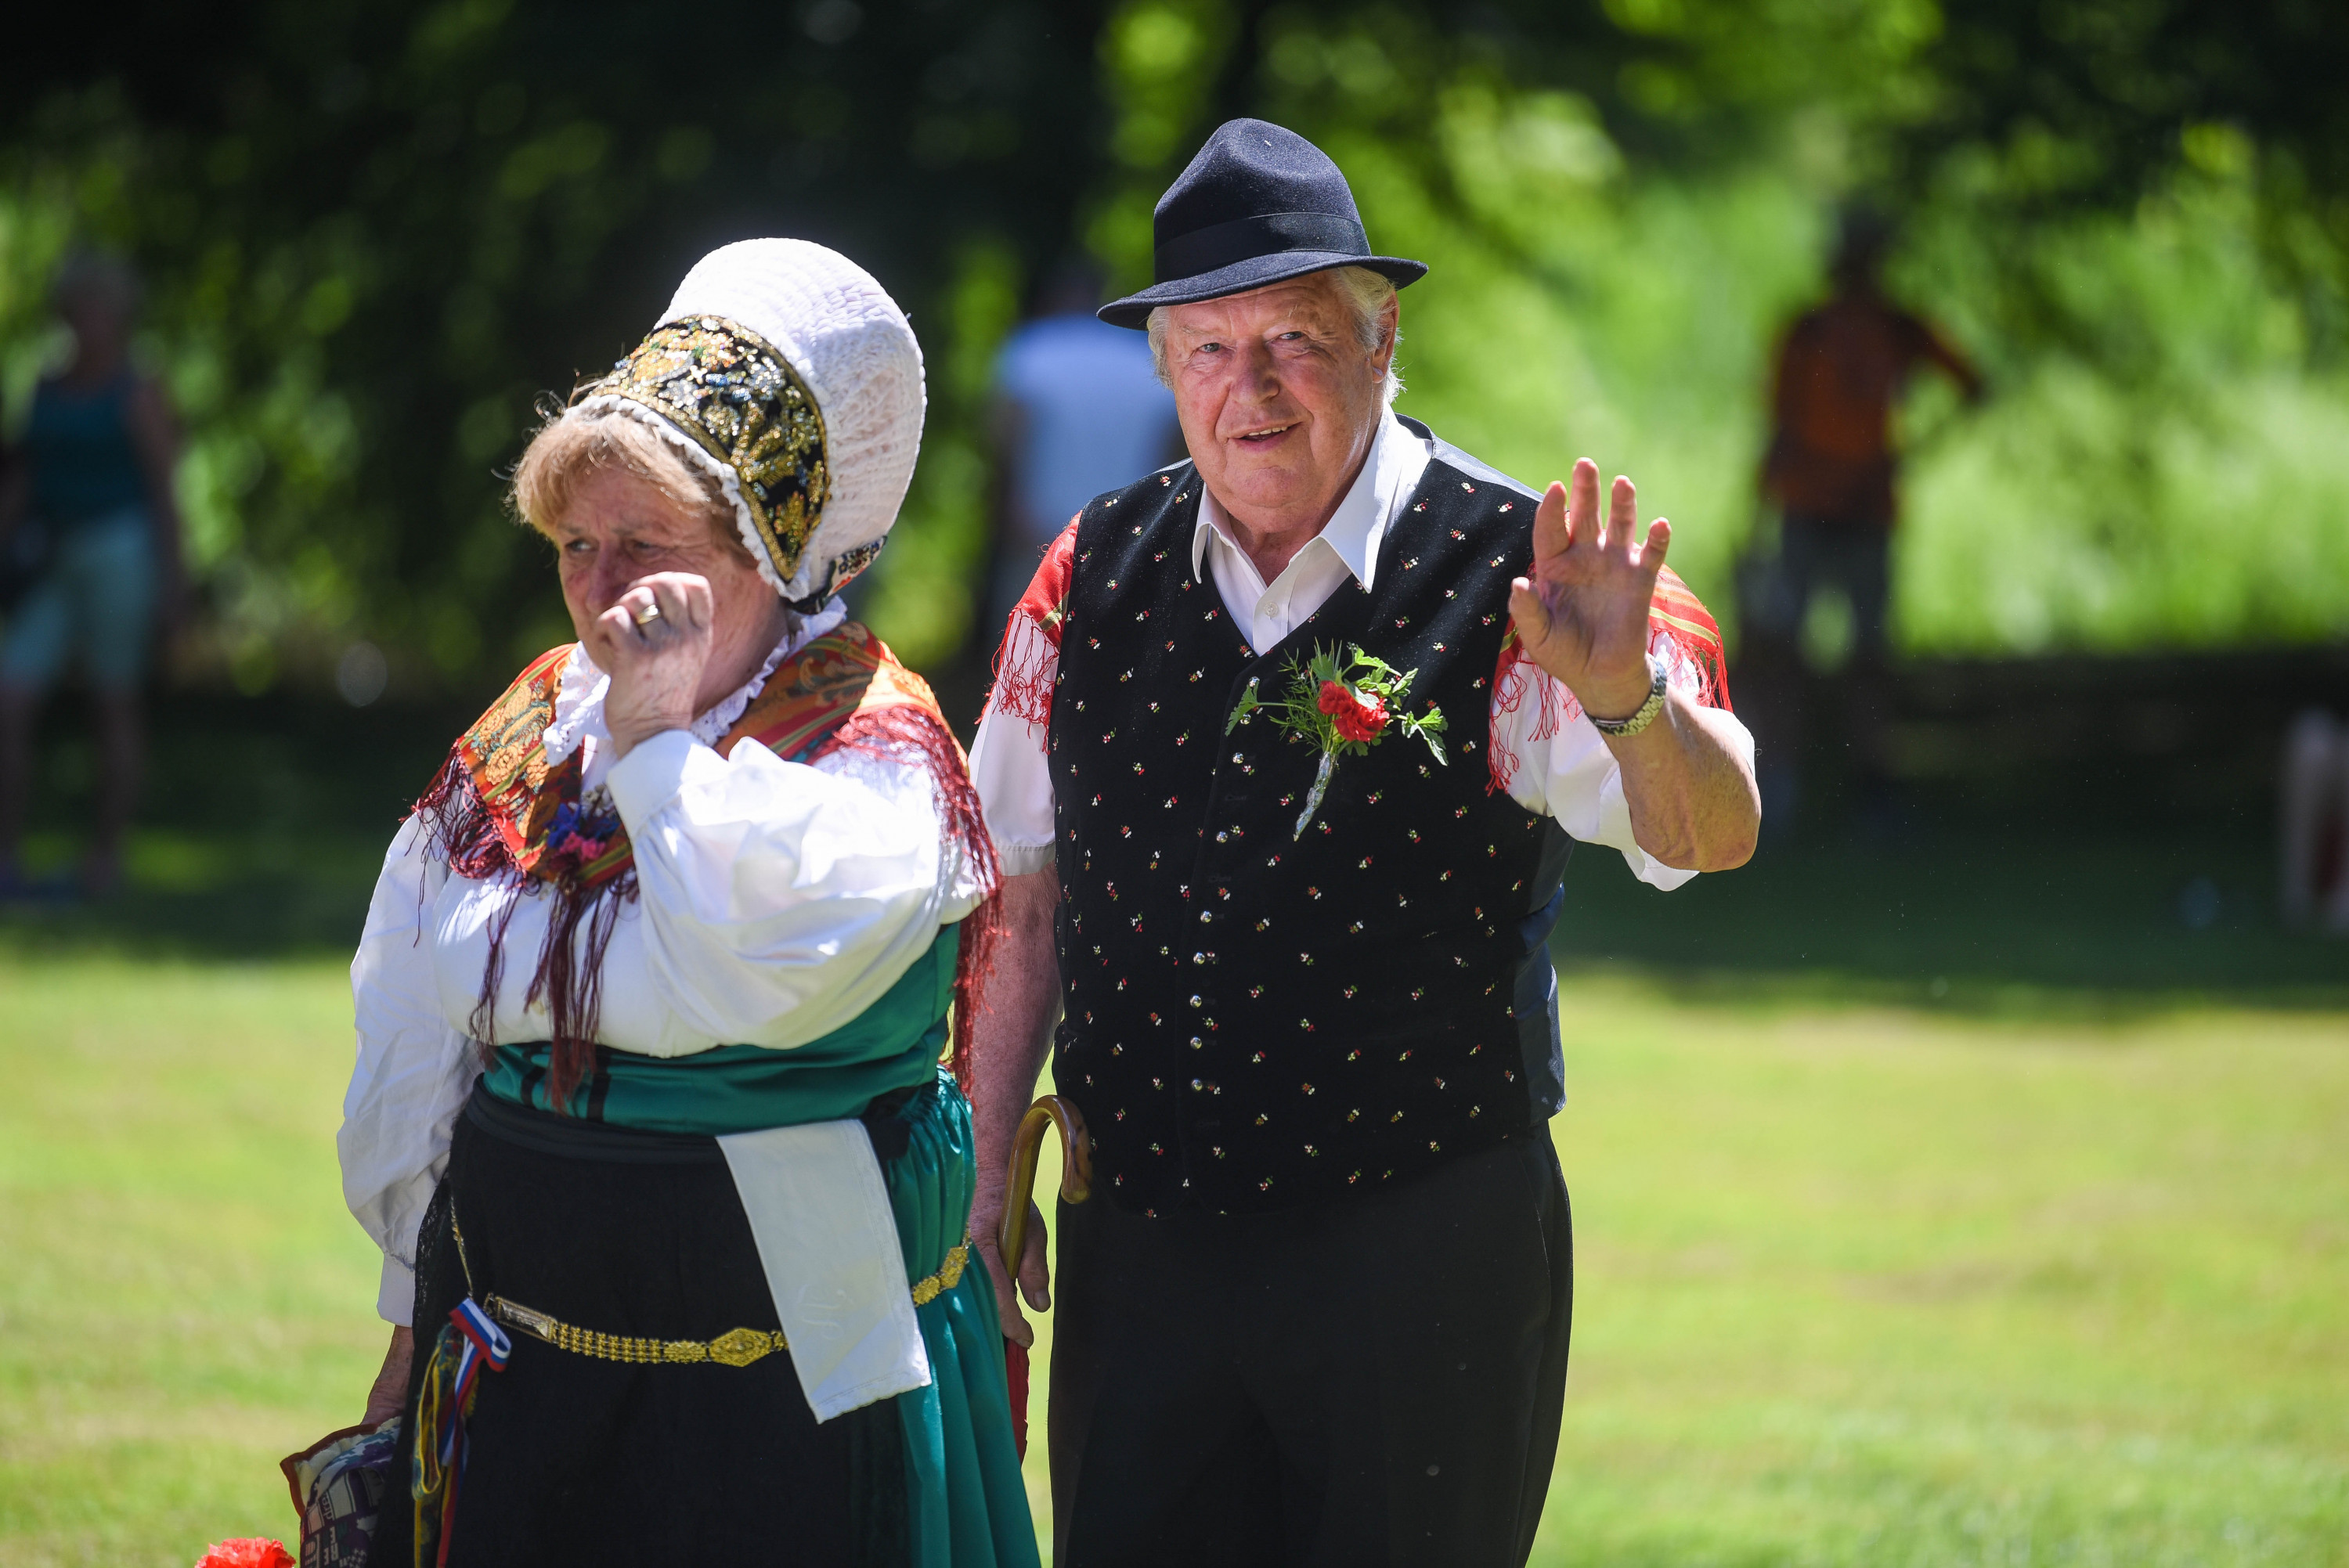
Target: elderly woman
(648,1118)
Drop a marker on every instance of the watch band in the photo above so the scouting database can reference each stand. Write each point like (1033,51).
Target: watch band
(1644,716)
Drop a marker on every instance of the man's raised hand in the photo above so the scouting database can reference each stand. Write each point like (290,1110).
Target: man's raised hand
(1583,612)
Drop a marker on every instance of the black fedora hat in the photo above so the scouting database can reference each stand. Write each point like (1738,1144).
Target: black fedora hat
(1258,205)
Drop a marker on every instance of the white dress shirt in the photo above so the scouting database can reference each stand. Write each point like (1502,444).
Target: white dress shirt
(1570,775)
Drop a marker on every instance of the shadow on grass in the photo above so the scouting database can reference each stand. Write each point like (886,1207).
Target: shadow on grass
(313,910)
(1982,907)
(263,826)
(2049,890)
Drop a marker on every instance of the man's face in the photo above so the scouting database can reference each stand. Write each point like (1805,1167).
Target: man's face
(1278,397)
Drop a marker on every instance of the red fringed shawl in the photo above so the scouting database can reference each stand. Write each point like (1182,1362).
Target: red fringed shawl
(496,809)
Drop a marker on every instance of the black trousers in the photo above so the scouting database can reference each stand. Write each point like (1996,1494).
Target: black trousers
(1374,1381)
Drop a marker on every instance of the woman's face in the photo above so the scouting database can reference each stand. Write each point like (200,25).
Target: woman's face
(618,529)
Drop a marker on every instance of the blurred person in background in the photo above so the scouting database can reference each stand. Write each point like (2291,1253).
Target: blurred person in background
(648,1117)
(87,511)
(2313,823)
(1078,411)
(1831,470)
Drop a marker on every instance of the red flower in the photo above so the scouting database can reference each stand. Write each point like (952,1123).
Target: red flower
(253,1552)
(1358,715)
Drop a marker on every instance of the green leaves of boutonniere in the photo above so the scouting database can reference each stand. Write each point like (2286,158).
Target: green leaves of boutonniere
(1341,700)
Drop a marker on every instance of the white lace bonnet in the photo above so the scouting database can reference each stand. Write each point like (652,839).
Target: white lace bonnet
(790,375)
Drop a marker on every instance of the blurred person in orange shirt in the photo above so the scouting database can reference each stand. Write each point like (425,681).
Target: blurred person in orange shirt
(1831,469)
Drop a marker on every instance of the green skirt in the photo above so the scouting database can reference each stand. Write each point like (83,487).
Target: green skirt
(969,1502)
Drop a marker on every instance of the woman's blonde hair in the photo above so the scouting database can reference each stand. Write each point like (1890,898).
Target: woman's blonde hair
(575,443)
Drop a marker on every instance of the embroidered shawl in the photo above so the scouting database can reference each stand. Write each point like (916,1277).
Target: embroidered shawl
(498,810)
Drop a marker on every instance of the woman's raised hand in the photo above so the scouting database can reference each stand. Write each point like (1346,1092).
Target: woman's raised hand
(655,642)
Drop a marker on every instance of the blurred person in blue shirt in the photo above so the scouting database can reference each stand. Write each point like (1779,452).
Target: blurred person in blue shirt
(1078,411)
(86,513)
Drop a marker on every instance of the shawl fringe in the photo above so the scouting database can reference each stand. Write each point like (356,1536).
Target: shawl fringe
(1025,663)
(463,831)
(1029,657)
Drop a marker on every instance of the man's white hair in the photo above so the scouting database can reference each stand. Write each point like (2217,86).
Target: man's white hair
(1367,293)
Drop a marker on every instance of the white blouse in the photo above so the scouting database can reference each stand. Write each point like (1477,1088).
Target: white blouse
(777,901)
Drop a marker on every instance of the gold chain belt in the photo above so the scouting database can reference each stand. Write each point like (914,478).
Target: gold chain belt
(735,1347)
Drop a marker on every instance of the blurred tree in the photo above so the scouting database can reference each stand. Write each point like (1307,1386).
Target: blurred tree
(2117,85)
(378,233)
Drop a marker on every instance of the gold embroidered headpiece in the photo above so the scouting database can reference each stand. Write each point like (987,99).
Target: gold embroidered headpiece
(727,389)
(788,371)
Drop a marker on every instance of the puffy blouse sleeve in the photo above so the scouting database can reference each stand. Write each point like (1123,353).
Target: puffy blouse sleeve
(413,1073)
(779,900)
(776,902)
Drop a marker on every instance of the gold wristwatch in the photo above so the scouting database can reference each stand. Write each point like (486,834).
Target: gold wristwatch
(1624,728)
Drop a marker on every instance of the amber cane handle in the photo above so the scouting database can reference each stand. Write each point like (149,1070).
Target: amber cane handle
(1076,1169)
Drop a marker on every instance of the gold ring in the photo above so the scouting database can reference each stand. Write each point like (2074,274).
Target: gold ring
(648,614)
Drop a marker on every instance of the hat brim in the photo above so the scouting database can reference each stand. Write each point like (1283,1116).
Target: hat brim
(1255,272)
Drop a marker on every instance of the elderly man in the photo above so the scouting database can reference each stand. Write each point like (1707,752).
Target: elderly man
(1287,750)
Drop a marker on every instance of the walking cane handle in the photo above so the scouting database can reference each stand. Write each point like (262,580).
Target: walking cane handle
(1076,1169)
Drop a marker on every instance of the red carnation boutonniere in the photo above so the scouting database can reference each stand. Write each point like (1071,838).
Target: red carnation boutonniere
(252,1552)
(1341,700)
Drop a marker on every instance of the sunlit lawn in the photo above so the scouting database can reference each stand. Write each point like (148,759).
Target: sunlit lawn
(1856,1286)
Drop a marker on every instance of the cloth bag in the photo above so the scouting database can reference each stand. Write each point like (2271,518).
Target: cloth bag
(339,1485)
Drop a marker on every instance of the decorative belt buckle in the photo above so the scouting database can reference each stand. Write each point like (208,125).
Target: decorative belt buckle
(741,1346)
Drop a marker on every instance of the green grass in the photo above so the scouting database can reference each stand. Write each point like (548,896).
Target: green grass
(183,1299)
(1875,1287)
(1859,1284)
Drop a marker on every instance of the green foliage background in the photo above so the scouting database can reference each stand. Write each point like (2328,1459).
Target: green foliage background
(377,236)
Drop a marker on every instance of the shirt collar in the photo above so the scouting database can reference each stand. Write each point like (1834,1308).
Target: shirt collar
(1391,471)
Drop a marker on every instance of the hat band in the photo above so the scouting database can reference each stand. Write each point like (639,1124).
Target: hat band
(1220,245)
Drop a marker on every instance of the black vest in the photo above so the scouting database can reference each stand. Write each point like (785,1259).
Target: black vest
(1255,1020)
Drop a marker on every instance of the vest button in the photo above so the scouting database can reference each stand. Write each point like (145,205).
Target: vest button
(1196,1002)
(1198,958)
(1205,915)
(1197,1084)
(1223,838)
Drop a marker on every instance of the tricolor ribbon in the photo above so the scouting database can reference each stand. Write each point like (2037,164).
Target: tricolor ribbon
(451,1378)
(485,1344)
